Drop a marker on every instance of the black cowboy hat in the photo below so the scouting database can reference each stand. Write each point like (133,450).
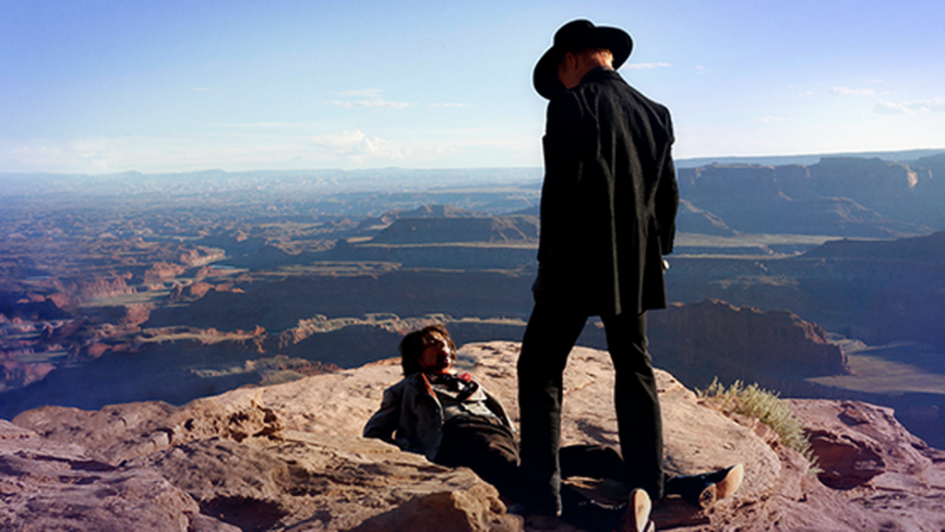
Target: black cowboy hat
(577,36)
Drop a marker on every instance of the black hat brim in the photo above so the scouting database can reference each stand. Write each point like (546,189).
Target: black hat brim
(545,76)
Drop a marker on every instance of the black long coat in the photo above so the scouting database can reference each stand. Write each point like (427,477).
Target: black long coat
(609,198)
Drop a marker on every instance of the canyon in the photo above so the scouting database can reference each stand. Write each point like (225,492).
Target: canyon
(818,280)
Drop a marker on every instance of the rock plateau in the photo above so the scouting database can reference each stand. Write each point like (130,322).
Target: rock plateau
(289,457)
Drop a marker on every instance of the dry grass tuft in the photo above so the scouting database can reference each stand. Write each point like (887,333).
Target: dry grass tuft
(765,406)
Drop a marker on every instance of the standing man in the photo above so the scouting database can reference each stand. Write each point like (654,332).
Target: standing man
(608,211)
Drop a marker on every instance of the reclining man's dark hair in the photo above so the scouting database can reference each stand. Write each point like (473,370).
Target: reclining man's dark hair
(413,345)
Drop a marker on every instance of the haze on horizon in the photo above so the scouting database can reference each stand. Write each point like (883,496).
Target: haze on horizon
(111,86)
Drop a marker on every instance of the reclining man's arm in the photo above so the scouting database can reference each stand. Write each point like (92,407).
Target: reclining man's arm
(384,422)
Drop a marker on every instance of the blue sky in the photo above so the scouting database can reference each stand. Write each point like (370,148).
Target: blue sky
(173,86)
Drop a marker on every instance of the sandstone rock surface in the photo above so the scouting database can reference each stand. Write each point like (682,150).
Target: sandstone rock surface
(290,457)
(877,463)
(47,485)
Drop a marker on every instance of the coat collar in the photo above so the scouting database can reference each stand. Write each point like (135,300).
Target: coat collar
(599,74)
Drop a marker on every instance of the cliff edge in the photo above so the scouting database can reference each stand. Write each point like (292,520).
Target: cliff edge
(290,457)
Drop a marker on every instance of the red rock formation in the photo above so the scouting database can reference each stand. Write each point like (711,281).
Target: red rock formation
(49,486)
(874,461)
(16,374)
(96,287)
(203,272)
(162,271)
(200,256)
(714,338)
(290,456)
(135,314)
(120,316)
(97,349)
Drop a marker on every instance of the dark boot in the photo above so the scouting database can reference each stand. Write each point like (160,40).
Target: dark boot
(696,490)
(704,489)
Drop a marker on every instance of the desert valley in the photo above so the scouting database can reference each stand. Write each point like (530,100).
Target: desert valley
(816,278)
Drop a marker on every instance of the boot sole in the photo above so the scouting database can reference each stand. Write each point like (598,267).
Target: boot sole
(638,512)
(732,481)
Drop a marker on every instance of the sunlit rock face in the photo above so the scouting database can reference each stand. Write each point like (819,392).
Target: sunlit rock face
(869,457)
(290,457)
(732,342)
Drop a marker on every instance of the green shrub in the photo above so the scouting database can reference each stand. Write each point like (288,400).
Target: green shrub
(765,406)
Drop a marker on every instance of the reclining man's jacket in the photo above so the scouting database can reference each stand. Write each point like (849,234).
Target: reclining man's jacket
(411,412)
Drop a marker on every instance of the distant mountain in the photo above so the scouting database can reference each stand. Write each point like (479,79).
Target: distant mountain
(423,211)
(776,160)
(845,197)
(460,230)
(928,249)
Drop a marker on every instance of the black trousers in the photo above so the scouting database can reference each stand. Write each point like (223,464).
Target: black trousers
(552,330)
(490,450)
(486,447)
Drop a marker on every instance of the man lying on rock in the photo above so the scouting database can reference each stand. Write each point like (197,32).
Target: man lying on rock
(453,421)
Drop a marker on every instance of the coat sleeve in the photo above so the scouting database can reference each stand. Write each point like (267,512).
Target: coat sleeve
(563,147)
(667,196)
(385,421)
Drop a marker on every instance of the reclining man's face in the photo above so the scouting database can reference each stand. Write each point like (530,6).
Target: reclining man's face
(436,356)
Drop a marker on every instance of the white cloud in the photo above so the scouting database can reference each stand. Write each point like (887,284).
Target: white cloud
(889,108)
(376,148)
(637,66)
(846,91)
(358,147)
(933,105)
(805,94)
(457,105)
